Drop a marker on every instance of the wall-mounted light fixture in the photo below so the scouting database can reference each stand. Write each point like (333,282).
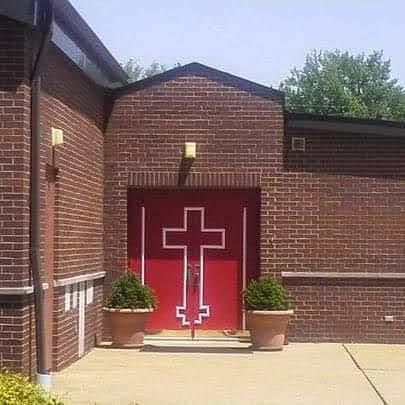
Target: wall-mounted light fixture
(57,137)
(190,150)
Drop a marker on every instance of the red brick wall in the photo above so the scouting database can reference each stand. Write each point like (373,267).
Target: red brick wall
(347,311)
(14,146)
(74,104)
(345,202)
(336,207)
(70,102)
(346,214)
(15,321)
(14,192)
(239,139)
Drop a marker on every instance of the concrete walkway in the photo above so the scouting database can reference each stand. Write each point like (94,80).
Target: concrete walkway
(384,366)
(165,373)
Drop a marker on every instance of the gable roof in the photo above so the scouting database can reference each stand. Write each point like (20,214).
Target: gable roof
(198,69)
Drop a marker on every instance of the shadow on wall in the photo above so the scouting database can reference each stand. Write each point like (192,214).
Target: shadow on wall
(184,171)
(347,154)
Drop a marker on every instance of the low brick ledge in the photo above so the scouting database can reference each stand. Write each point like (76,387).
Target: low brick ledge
(78,279)
(20,290)
(331,274)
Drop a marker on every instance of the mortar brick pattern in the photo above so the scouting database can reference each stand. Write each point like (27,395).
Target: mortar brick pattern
(14,150)
(339,311)
(348,197)
(214,180)
(76,106)
(339,206)
(239,137)
(14,193)
(336,207)
(72,103)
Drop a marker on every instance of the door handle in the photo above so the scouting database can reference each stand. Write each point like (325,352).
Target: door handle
(189,275)
(193,277)
(197,275)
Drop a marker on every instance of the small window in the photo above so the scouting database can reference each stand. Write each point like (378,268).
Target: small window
(298,144)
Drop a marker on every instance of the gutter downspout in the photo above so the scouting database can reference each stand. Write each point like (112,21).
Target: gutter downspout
(43,376)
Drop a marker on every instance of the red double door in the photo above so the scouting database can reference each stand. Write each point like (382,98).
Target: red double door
(196,250)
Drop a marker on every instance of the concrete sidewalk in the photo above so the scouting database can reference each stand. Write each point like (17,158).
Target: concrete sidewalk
(384,366)
(302,374)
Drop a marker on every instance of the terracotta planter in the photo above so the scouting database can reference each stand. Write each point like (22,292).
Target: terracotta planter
(268,328)
(127,326)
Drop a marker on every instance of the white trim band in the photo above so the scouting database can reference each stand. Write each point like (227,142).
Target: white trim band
(324,274)
(20,290)
(279,312)
(78,279)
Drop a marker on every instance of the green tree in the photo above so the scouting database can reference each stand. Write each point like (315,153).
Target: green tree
(339,83)
(154,69)
(133,69)
(137,72)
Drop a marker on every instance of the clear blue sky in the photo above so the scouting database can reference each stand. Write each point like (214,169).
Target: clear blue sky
(260,40)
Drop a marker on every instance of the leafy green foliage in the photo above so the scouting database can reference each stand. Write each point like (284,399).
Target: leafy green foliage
(136,71)
(16,389)
(133,69)
(129,293)
(265,294)
(342,84)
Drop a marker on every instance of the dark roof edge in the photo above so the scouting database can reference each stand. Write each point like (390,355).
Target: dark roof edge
(71,20)
(22,11)
(75,25)
(199,69)
(345,124)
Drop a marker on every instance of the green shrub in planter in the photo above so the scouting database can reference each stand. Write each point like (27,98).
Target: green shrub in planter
(16,389)
(265,294)
(129,293)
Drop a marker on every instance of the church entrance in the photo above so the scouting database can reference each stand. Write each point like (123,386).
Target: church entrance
(196,250)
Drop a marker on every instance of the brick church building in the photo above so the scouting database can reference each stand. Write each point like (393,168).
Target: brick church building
(317,201)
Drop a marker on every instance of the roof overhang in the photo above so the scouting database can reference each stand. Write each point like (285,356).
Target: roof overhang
(322,123)
(29,12)
(73,23)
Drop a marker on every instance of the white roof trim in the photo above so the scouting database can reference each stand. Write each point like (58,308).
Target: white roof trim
(78,279)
